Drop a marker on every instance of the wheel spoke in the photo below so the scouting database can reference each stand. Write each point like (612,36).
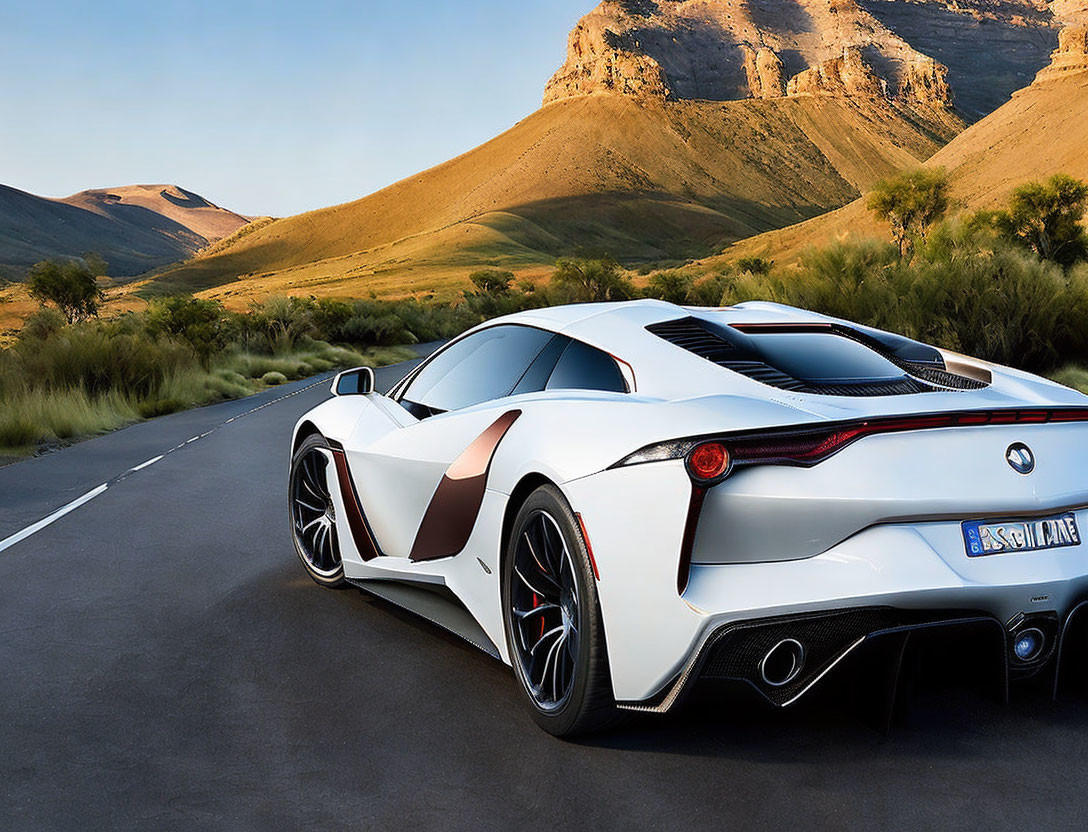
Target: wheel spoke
(311,489)
(543,638)
(315,522)
(525,581)
(532,551)
(300,502)
(552,653)
(554,565)
(543,608)
(542,569)
(547,654)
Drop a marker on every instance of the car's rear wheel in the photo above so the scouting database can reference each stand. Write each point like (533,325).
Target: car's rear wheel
(313,513)
(553,619)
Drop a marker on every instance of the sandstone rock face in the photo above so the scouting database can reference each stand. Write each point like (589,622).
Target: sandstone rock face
(847,74)
(764,73)
(1070,56)
(600,59)
(918,55)
(925,83)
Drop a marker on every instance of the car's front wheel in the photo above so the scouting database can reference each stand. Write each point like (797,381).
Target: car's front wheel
(553,619)
(313,513)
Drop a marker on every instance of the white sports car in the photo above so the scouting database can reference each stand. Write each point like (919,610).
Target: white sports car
(620,499)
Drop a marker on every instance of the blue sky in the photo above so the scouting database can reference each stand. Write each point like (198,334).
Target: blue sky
(264,107)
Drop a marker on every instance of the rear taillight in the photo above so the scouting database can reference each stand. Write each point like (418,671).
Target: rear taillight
(809,445)
(709,463)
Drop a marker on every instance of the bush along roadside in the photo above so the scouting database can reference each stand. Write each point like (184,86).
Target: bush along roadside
(60,382)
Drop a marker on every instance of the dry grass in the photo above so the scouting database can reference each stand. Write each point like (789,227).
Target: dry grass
(33,416)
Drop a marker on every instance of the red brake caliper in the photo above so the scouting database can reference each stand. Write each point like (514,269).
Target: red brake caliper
(536,603)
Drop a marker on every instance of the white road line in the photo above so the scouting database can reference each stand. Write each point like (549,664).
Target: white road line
(7,543)
(147,464)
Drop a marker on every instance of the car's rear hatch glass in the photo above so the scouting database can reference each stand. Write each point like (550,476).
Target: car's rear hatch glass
(815,357)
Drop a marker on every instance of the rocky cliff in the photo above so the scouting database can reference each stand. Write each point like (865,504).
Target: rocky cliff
(923,55)
(1070,56)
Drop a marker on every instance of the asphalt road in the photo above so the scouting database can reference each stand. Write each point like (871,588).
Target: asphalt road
(165,664)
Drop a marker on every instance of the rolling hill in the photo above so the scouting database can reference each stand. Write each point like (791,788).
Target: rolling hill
(645,180)
(135,228)
(1041,131)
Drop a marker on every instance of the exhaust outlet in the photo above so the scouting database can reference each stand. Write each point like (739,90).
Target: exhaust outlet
(783,663)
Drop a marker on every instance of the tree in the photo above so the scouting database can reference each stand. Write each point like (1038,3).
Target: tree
(592,280)
(911,202)
(492,281)
(200,322)
(70,285)
(671,286)
(1045,217)
(755,265)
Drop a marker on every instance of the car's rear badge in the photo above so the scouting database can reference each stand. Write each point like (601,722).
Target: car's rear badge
(1020,458)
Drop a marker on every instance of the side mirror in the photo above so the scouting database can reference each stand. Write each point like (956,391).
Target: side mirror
(357,382)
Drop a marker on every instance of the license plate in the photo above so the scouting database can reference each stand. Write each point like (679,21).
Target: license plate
(995,537)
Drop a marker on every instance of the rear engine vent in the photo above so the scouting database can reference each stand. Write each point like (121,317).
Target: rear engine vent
(690,334)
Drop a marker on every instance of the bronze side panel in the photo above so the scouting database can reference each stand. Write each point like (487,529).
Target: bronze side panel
(451,515)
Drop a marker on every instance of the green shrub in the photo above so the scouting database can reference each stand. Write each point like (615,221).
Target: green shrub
(274,378)
(580,279)
(671,286)
(61,414)
(755,265)
(93,358)
(709,291)
(203,324)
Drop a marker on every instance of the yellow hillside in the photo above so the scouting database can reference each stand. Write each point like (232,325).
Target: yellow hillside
(646,181)
(1043,130)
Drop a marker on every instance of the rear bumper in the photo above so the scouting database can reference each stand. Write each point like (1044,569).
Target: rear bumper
(917,574)
(888,580)
(737,651)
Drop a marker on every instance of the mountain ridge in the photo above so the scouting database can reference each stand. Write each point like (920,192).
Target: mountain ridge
(912,54)
(135,227)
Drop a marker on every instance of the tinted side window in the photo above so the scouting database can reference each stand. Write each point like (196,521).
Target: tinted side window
(582,367)
(536,377)
(477,369)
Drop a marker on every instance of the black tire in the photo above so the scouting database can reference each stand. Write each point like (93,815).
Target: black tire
(577,698)
(313,518)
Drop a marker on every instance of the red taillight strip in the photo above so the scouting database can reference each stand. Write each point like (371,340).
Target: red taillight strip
(809,446)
